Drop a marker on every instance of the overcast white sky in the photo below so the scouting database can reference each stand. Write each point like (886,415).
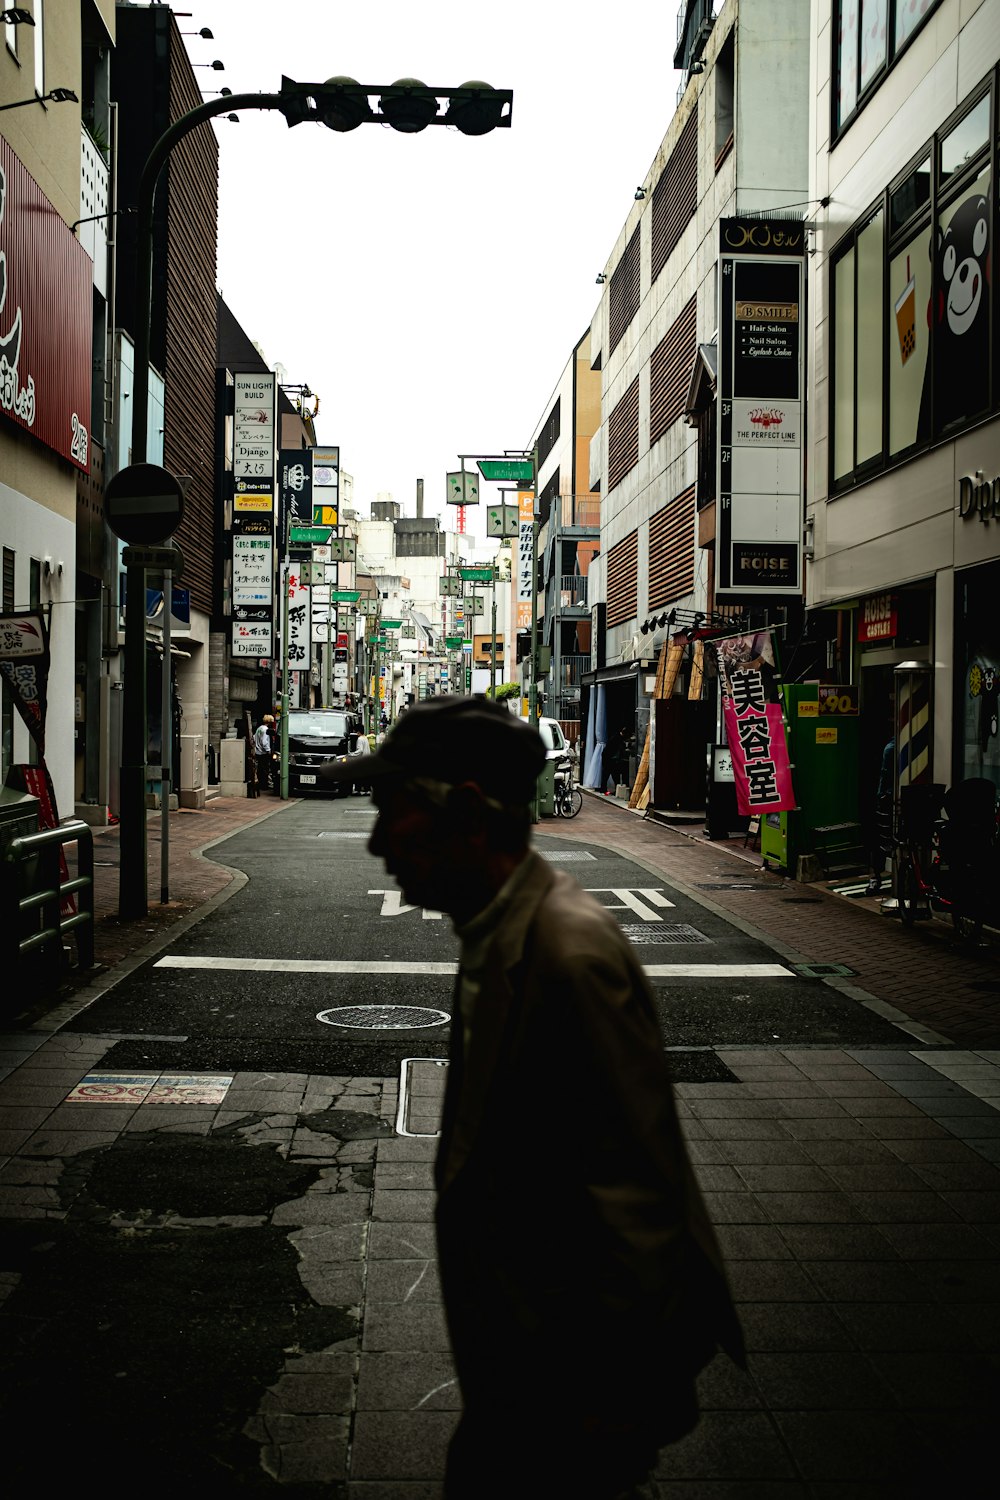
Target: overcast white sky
(431,287)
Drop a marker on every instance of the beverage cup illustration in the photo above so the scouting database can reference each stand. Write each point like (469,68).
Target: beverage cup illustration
(906,316)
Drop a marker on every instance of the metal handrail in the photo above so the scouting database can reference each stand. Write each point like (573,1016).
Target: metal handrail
(50,892)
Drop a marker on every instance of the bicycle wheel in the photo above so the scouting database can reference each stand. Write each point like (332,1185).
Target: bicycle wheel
(572,802)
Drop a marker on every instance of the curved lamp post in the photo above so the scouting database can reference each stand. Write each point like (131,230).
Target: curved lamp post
(342,104)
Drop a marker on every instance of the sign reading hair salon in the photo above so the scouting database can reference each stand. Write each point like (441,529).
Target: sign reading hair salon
(760,452)
(46,317)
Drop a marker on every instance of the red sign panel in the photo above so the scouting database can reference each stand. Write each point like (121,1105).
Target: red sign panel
(46,317)
(877,618)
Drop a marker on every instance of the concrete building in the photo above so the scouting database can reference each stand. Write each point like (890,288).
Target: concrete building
(54,183)
(735,149)
(903,515)
(568,533)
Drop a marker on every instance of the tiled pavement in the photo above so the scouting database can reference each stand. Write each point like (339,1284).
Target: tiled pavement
(856,1194)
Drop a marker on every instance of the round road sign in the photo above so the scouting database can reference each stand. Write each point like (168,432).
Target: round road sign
(143,503)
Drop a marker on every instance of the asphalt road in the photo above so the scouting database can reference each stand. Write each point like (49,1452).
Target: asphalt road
(316,965)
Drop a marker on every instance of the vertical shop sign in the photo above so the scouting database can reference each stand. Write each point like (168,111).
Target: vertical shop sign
(253,514)
(299,643)
(525,548)
(755,726)
(326,486)
(295,488)
(760,447)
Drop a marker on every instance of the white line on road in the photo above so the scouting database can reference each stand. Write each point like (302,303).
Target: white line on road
(409,966)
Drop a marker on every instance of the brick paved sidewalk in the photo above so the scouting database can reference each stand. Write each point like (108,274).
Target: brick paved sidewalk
(941,983)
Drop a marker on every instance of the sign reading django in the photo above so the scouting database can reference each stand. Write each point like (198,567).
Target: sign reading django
(760,454)
(46,317)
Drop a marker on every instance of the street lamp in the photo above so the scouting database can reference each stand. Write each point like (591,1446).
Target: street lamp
(54,96)
(341,104)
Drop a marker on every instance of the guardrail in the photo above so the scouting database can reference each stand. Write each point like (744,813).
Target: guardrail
(33,860)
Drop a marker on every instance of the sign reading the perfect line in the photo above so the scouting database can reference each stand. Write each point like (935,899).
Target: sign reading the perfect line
(760,449)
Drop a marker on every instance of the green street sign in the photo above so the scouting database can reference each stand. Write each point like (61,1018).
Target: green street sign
(309,536)
(454,642)
(345,596)
(476,575)
(392,624)
(519,469)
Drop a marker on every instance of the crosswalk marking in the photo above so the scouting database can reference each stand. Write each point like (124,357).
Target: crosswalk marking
(410,966)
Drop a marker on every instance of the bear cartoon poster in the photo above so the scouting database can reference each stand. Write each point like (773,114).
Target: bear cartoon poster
(960,308)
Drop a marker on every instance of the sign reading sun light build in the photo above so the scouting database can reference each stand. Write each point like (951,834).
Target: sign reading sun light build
(760,452)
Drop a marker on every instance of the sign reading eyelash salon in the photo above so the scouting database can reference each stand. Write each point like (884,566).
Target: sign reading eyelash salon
(760,447)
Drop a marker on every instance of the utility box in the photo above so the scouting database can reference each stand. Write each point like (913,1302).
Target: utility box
(18,816)
(232,768)
(192,786)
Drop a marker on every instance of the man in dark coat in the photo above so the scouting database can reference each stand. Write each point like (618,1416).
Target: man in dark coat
(582,1283)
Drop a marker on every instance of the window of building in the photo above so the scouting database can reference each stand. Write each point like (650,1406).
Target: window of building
(623,303)
(725,93)
(912,305)
(867,38)
(707,470)
(622,596)
(671,551)
(549,434)
(623,436)
(675,196)
(670,371)
(38,40)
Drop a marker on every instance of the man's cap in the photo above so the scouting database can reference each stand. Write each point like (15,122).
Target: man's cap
(452,740)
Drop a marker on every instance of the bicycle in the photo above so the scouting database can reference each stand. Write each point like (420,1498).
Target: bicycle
(945,865)
(568,798)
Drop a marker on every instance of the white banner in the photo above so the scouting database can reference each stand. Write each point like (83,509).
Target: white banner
(253,563)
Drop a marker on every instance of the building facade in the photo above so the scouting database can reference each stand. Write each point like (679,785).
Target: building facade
(903,515)
(736,148)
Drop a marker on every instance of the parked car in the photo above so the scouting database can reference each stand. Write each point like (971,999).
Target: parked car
(315,737)
(555,742)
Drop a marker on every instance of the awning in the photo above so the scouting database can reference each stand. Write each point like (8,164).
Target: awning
(619,672)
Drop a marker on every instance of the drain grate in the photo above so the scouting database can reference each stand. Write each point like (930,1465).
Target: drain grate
(823,971)
(802,900)
(732,885)
(566,855)
(663,932)
(383,1017)
(337,833)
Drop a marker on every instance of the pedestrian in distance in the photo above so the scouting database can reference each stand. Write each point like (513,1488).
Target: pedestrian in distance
(582,1284)
(263,748)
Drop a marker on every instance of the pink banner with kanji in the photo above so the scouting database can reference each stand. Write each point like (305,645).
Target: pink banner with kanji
(755,726)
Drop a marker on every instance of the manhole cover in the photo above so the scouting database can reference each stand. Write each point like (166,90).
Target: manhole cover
(566,854)
(663,932)
(383,1017)
(823,971)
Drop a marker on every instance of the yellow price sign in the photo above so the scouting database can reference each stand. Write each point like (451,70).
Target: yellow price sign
(826,734)
(808,708)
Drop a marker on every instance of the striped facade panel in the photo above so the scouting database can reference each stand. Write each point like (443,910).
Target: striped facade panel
(623,303)
(670,367)
(623,436)
(671,550)
(675,196)
(622,593)
(191,313)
